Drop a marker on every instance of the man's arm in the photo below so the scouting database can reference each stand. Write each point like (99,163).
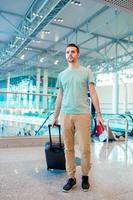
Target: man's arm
(95,101)
(57,106)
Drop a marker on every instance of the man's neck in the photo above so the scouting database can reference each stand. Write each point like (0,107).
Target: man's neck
(73,65)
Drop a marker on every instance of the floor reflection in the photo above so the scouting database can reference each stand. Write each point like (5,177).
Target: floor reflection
(114,152)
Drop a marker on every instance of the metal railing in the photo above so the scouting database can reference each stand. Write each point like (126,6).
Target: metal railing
(126,128)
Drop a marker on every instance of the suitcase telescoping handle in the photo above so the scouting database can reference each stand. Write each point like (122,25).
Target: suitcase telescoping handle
(50,136)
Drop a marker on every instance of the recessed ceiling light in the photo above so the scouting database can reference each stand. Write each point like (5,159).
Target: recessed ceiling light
(59,19)
(47,31)
(37,15)
(56,62)
(8,51)
(36,41)
(77,3)
(41,60)
(72,2)
(22,57)
(12,45)
(27,28)
(28,48)
(19,38)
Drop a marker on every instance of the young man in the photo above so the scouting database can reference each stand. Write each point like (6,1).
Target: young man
(73,84)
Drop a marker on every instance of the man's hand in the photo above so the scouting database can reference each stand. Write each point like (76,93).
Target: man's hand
(99,119)
(54,122)
(57,107)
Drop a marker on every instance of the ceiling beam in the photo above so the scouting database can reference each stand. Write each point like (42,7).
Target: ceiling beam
(126,50)
(11,13)
(89,19)
(113,38)
(11,24)
(3,42)
(92,33)
(50,10)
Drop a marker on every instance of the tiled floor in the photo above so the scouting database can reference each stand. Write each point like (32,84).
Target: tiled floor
(23,175)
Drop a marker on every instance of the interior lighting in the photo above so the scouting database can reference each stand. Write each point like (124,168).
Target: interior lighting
(22,57)
(36,41)
(41,60)
(15,171)
(42,35)
(47,31)
(56,62)
(59,19)
(37,15)
(12,45)
(28,48)
(8,51)
(20,38)
(72,2)
(27,28)
(36,170)
(3,54)
(77,3)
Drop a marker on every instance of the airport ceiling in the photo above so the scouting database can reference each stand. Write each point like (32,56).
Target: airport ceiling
(34,33)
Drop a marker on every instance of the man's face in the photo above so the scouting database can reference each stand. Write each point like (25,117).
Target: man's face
(71,54)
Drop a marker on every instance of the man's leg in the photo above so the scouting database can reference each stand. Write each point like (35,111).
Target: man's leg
(68,131)
(82,125)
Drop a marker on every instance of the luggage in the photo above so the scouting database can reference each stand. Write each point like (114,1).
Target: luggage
(101,132)
(54,152)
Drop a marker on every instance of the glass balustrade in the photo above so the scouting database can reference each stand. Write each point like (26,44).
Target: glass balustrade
(28,114)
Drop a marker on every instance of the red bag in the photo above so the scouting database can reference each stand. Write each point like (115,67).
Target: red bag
(101,132)
(99,128)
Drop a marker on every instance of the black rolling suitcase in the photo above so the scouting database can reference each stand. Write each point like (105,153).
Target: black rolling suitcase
(54,152)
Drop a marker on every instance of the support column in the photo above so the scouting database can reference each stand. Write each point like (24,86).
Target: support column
(125,103)
(115,93)
(45,88)
(19,99)
(8,89)
(38,72)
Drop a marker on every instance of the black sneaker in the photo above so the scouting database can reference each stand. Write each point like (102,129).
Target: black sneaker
(71,184)
(85,183)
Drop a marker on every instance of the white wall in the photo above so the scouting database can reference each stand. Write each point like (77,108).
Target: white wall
(105,97)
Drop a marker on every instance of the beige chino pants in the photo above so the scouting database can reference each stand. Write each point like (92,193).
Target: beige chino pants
(79,126)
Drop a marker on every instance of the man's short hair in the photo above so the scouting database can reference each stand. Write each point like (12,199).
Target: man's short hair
(73,45)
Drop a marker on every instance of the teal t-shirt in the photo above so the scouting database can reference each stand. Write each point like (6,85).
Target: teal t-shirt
(74,83)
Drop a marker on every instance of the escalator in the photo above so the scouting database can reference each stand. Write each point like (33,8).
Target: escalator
(119,127)
(130,124)
(40,130)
